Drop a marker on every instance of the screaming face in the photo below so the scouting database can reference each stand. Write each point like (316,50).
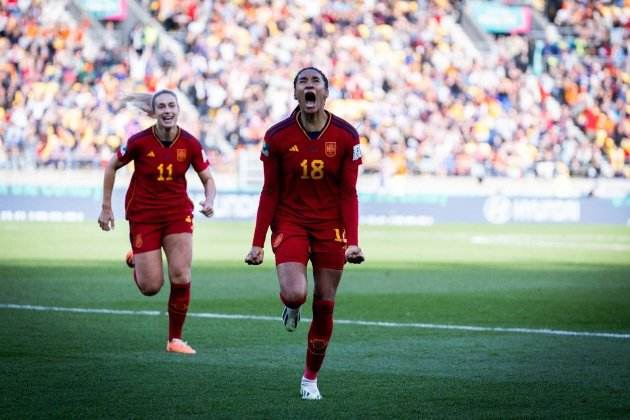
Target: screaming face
(310,91)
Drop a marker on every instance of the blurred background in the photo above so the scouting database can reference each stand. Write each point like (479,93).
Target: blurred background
(468,111)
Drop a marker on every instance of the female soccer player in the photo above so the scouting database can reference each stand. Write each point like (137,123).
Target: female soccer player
(158,208)
(309,200)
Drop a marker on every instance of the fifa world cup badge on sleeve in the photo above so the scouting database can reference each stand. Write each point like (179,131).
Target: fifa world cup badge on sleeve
(356,152)
(123,150)
(265,149)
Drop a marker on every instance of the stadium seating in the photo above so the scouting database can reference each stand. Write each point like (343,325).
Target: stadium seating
(424,100)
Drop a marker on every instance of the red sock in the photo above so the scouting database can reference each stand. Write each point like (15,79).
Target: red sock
(178,302)
(318,336)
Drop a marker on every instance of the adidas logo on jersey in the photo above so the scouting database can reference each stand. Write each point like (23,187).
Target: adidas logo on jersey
(294,148)
(151,154)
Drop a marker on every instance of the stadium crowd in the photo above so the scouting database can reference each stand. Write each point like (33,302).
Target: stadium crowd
(422,98)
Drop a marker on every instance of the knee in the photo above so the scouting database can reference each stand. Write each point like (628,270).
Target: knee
(180,276)
(148,290)
(293,298)
(325,294)
(148,285)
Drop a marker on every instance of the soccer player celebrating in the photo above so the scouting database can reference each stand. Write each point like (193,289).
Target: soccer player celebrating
(158,208)
(309,200)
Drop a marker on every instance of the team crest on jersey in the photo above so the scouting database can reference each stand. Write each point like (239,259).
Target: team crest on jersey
(181,155)
(356,152)
(330,148)
(265,149)
(277,240)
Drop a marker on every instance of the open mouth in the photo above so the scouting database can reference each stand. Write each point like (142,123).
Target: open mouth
(310,97)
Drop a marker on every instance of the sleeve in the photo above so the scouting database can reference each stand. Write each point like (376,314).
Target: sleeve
(199,158)
(128,151)
(349,199)
(268,196)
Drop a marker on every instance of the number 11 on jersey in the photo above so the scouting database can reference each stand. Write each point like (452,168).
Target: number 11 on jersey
(169,172)
(340,235)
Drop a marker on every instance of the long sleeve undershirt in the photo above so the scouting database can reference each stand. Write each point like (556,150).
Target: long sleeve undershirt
(350,202)
(268,202)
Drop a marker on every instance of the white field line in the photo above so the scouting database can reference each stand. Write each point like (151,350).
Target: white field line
(470,328)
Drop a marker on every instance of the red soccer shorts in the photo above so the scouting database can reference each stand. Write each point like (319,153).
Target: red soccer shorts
(324,245)
(148,236)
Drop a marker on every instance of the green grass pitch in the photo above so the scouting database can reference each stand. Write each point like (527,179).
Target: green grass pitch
(541,280)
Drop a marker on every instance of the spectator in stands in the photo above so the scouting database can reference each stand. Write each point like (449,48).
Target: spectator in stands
(517,112)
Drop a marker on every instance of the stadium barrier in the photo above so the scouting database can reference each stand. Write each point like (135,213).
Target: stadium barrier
(80,203)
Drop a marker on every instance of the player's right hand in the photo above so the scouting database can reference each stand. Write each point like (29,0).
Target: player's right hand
(207,208)
(255,256)
(106,219)
(354,255)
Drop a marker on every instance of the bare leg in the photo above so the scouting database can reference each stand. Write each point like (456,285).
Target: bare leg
(326,283)
(178,250)
(292,281)
(148,271)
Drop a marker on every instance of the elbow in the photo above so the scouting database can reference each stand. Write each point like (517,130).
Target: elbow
(113,165)
(110,170)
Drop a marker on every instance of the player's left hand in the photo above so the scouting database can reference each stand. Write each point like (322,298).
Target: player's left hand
(354,255)
(106,219)
(255,256)
(207,208)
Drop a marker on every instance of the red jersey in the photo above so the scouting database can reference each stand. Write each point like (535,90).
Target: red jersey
(158,191)
(310,180)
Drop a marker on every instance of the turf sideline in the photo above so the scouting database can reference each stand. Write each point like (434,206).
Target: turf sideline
(471,328)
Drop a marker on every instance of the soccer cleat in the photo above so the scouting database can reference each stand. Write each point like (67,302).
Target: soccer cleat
(129,259)
(178,346)
(309,390)
(290,317)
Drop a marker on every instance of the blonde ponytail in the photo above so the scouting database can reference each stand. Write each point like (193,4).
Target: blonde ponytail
(146,101)
(142,101)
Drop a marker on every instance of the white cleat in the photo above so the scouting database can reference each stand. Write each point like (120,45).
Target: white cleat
(290,317)
(308,389)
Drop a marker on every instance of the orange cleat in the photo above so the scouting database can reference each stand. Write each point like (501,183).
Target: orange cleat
(178,346)
(129,259)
